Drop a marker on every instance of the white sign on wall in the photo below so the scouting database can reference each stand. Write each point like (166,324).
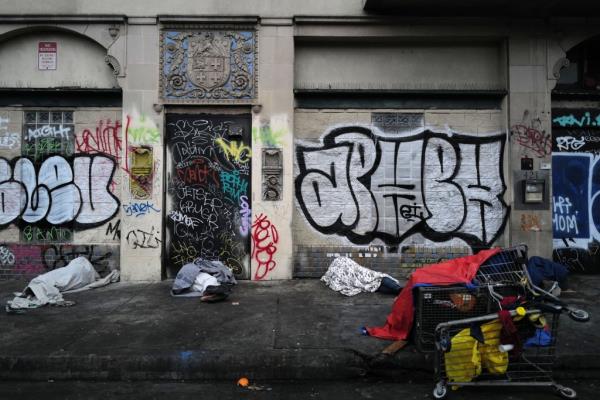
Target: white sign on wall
(47,55)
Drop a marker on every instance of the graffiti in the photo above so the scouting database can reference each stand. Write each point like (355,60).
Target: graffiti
(182,254)
(233,185)
(576,188)
(570,215)
(235,151)
(264,239)
(141,131)
(530,223)
(139,209)
(106,139)
(566,118)
(198,172)
(139,239)
(44,147)
(178,216)
(532,137)
(41,234)
(27,261)
(232,252)
(32,260)
(268,134)
(360,185)
(103,258)
(114,230)
(8,140)
(58,192)
(245,216)
(140,174)
(6,256)
(56,131)
(569,143)
(205,185)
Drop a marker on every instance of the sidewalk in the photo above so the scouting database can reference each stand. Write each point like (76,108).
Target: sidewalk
(279,330)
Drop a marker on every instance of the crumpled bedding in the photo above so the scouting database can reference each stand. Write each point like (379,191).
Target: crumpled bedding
(48,288)
(458,270)
(346,276)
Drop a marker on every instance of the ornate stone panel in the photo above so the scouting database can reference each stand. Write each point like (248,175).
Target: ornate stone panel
(208,64)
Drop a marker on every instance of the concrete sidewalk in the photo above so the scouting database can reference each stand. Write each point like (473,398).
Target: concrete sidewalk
(280,330)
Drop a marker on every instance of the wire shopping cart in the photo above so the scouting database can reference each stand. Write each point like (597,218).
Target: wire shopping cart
(478,350)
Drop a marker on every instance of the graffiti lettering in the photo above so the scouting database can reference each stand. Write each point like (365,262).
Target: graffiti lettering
(233,185)
(8,140)
(235,151)
(105,139)
(183,253)
(114,230)
(533,138)
(58,192)
(358,184)
(139,209)
(142,131)
(200,171)
(569,143)
(245,215)
(57,131)
(6,256)
(178,216)
(40,234)
(264,239)
(139,239)
(103,258)
(583,119)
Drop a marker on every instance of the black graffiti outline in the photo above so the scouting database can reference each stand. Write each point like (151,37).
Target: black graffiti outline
(59,255)
(73,223)
(339,228)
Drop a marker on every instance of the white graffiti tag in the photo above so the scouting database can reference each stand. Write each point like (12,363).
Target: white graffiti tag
(365,186)
(58,192)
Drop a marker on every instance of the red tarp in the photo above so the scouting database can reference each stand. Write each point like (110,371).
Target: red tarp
(459,270)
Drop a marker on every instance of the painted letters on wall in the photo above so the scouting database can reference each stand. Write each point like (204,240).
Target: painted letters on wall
(208,210)
(576,188)
(365,185)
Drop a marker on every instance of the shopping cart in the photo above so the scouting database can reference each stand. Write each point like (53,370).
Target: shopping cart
(471,352)
(504,274)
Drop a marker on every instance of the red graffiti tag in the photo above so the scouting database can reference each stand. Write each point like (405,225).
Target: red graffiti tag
(198,172)
(104,140)
(533,139)
(264,238)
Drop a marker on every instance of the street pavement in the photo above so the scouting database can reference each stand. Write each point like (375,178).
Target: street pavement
(294,390)
(267,331)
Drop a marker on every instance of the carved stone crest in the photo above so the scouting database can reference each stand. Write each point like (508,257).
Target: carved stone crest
(208,66)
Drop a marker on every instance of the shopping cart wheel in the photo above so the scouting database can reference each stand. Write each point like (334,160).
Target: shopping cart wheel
(579,315)
(566,392)
(440,391)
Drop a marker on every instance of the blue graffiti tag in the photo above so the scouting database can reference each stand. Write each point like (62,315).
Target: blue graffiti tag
(139,209)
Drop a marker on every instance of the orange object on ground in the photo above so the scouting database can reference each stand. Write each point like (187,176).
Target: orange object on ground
(243,382)
(459,270)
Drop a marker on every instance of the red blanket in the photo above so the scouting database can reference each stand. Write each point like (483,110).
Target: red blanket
(459,270)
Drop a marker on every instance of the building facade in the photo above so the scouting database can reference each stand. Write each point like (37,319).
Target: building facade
(276,136)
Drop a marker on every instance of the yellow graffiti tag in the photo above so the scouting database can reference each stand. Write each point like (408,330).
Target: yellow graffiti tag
(235,151)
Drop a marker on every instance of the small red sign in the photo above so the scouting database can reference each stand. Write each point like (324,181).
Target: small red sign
(47,55)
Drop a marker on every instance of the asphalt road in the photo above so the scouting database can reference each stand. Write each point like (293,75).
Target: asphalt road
(365,389)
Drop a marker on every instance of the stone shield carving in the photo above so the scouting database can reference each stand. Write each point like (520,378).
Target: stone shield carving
(208,66)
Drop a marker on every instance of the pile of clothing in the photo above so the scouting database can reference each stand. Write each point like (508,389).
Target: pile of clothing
(212,281)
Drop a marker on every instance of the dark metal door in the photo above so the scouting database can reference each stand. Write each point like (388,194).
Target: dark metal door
(208,190)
